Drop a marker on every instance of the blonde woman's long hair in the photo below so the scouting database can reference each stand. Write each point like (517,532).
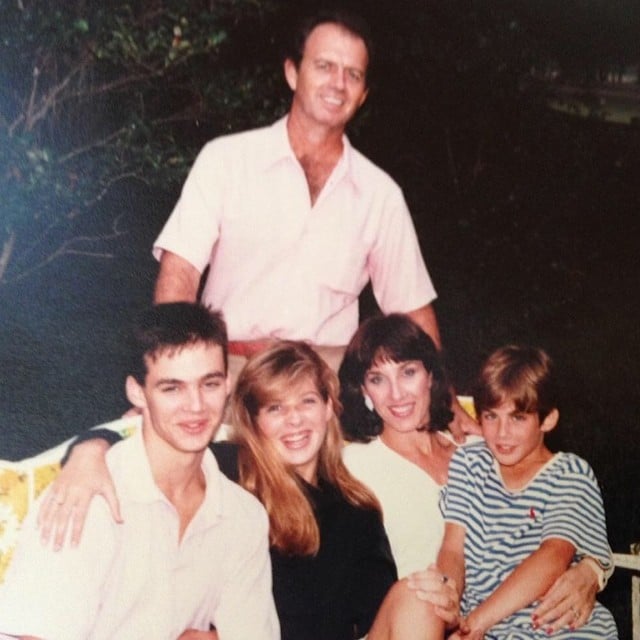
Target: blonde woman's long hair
(266,377)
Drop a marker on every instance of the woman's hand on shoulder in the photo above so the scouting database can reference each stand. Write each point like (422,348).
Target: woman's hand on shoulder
(84,476)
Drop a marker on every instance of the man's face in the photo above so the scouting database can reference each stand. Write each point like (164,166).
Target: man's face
(183,397)
(330,83)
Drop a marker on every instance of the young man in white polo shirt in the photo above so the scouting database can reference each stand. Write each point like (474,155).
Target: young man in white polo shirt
(192,550)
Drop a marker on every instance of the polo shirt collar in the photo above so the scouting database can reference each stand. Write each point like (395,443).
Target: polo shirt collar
(279,149)
(139,485)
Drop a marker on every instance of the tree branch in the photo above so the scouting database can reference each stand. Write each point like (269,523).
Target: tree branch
(49,99)
(69,247)
(5,256)
(92,145)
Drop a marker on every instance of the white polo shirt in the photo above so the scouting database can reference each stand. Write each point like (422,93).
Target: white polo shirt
(281,268)
(136,580)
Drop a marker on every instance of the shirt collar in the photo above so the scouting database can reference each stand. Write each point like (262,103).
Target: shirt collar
(139,485)
(279,149)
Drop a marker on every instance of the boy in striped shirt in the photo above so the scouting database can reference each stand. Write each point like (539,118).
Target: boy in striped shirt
(517,515)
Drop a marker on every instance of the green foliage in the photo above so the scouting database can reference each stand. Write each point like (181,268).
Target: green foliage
(92,94)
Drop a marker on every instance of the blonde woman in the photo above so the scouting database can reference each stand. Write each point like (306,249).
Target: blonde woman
(331,560)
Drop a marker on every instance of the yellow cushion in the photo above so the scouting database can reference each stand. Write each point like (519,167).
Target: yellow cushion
(23,481)
(466,402)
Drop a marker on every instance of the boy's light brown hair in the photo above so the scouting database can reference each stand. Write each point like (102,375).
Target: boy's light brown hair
(521,374)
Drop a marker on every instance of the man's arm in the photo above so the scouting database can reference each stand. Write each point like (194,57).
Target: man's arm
(178,280)
(526,583)
(462,423)
(425,318)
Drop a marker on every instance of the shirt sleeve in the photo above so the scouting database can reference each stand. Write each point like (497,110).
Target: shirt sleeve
(576,512)
(455,500)
(374,572)
(192,229)
(56,594)
(246,608)
(399,276)
(111,437)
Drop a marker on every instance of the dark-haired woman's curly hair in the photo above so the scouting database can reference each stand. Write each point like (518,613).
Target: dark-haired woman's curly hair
(397,338)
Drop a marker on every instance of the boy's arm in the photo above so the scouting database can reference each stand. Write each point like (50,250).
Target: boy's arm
(526,583)
(571,598)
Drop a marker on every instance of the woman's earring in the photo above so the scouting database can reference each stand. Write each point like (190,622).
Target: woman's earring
(368,402)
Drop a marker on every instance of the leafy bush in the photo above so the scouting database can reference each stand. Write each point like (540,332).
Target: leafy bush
(93,94)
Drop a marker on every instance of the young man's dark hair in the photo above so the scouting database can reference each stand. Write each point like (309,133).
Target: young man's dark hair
(170,326)
(347,20)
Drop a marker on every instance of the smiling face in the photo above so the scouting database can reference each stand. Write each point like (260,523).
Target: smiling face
(516,438)
(183,397)
(401,394)
(296,425)
(329,84)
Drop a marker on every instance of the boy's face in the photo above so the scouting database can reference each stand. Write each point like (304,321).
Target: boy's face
(183,397)
(516,438)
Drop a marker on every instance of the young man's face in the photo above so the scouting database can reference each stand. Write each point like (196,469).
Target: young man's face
(330,84)
(183,397)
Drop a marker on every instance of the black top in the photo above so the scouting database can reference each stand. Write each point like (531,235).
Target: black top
(335,594)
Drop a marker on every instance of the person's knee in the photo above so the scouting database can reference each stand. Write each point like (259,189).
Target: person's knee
(409,617)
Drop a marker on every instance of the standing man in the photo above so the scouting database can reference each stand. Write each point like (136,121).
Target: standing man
(192,550)
(292,220)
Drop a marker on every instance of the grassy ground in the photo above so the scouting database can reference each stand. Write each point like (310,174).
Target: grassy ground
(541,246)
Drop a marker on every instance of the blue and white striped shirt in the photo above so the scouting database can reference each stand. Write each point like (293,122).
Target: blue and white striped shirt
(504,527)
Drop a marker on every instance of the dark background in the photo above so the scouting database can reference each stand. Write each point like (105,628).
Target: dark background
(528,220)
